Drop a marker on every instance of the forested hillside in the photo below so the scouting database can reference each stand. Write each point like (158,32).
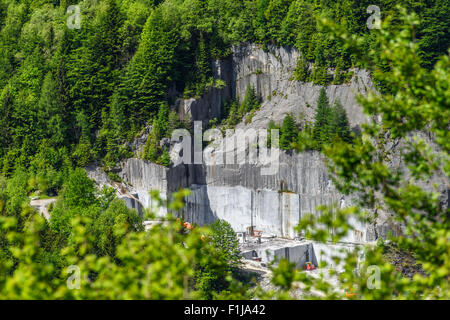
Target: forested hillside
(69,96)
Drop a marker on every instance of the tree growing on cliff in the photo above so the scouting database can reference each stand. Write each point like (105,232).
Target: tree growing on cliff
(211,279)
(288,133)
(322,117)
(339,123)
(330,122)
(417,102)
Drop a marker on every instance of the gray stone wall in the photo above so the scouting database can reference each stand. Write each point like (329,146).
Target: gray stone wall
(240,194)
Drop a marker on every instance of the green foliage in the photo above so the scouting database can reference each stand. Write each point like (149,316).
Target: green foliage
(417,102)
(288,133)
(152,149)
(116,258)
(79,189)
(164,159)
(235,112)
(68,97)
(321,119)
(271,126)
(330,123)
(208,280)
(92,89)
(224,239)
(339,123)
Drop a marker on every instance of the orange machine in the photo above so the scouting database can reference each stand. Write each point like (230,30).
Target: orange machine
(308,266)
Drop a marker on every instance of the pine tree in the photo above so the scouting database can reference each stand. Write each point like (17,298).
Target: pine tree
(164,159)
(271,126)
(322,118)
(320,74)
(340,123)
(301,72)
(261,20)
(288,132)
(162,121)
(66,108)
(50,119)
(233,114)
(147,76)
(173,123)
(117,118)
(339,71)
(152,148)
(275,14)
(250,101)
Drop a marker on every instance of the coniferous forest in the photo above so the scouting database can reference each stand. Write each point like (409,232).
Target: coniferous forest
(76,95)
(70,97)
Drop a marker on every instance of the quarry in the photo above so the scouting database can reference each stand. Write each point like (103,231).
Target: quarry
(243,193)
(256,150)
(262,206)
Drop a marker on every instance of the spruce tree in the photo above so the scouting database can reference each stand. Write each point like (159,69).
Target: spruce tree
(250,101)
(202,66)
(152,148)
(50,119)
(322,118)
(288,132)
(93,66)
(301,72)
(6,112)
(233,114)
(174,122)
(162,121)
(164,159)
(341,123)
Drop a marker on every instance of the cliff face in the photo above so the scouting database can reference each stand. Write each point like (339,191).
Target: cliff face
(240,193)
(271,74)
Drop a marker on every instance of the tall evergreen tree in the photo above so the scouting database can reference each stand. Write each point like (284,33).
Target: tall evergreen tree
(250,102)
(6,110)
(340,125)
(50,119)
(321,123)
(288,132)
(152,149)
(162,120)
(92,68)
(149,73)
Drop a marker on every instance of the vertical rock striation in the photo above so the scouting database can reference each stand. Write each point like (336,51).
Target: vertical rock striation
(240,194)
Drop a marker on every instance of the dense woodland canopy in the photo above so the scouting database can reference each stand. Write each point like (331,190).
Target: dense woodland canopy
(71,96)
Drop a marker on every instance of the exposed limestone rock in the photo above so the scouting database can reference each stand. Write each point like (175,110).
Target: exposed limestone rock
(270,73)
(42,206)
(210,106)
(239,193)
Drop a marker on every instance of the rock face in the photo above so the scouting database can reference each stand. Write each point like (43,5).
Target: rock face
(210,106)
(244,197)
(240,193)
(271,74)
